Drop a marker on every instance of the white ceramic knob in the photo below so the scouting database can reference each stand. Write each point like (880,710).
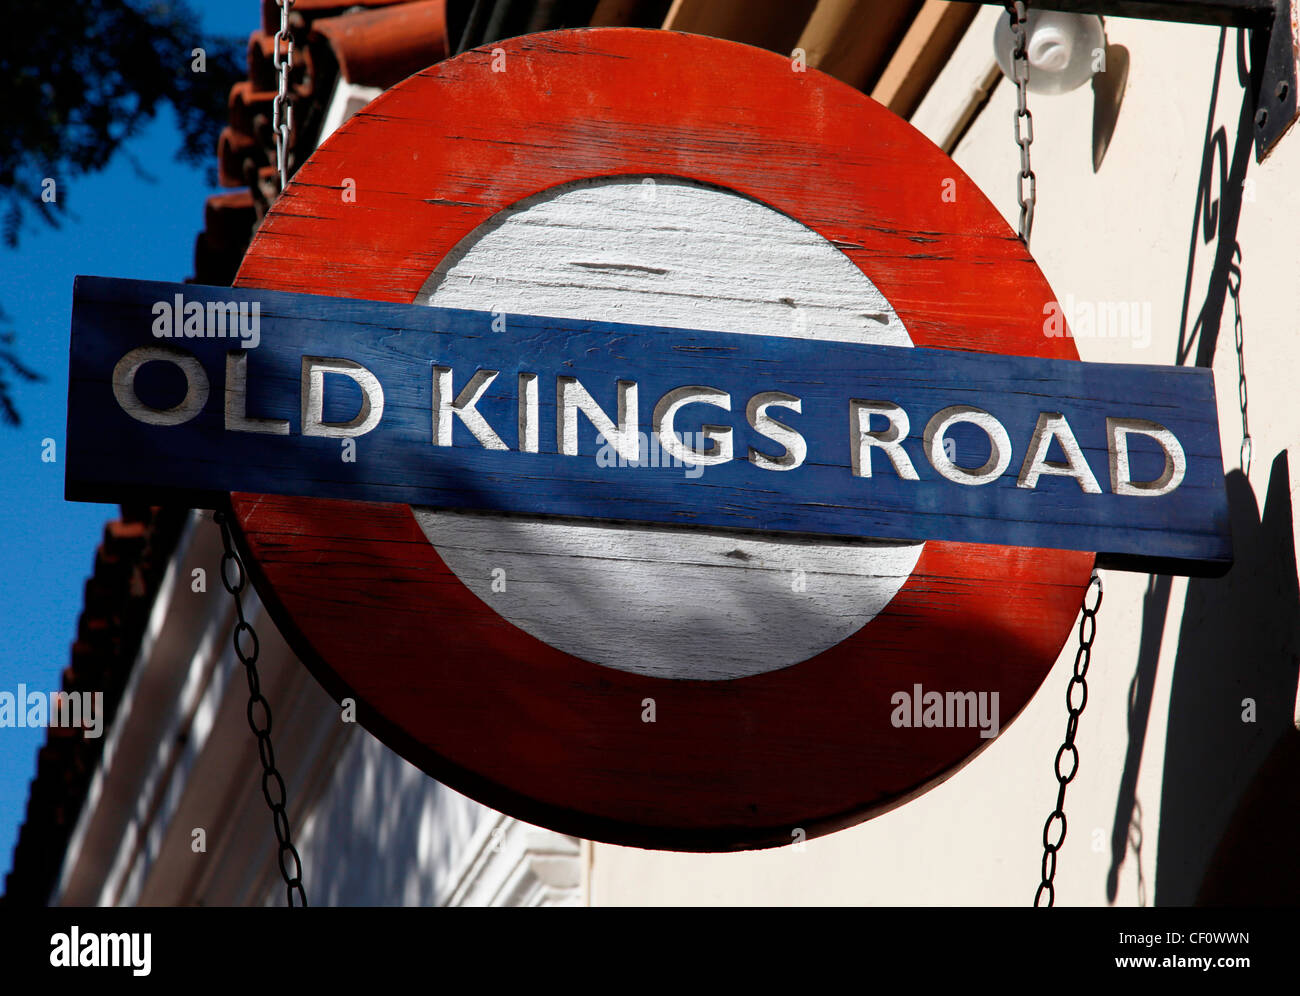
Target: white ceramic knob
(1063,49)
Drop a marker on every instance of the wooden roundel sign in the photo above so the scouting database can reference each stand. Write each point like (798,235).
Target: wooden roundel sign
(658,686)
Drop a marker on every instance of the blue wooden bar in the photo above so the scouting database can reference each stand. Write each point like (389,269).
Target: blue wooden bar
(114,455)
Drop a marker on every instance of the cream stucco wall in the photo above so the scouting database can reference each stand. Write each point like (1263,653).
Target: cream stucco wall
(1124,234)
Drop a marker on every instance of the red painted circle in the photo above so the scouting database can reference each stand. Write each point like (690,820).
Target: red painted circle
(369,605)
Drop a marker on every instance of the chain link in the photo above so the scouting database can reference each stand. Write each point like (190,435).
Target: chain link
(1239,334)
(1024,120)
(247,648)
(282,108)
(1082,658)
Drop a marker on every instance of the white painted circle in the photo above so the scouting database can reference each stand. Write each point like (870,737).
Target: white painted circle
(663,602)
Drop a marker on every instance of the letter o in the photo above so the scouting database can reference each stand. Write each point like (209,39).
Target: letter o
(196,385)
(999,445)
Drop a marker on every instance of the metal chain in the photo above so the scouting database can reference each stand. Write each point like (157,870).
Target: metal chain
(270,776)
(1024,133)
(282,126)
(282,108)
(1082,658)
(1234,290)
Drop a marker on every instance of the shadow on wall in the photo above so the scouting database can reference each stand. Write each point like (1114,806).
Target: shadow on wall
(1231,707)
(386,833)
(1230,741)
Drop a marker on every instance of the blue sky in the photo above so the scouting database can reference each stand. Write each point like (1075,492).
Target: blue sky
(120,225)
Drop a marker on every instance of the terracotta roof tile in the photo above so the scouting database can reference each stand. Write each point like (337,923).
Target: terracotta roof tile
(234,151)
(229,220)
(248,105)
(126,531)
(261,61)
(384,46)
(315,8)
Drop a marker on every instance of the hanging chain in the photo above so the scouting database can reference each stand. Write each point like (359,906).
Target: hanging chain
(1234,290)
(282,108)
(270,776)
(1082,658)
(282,125)
(1024,132)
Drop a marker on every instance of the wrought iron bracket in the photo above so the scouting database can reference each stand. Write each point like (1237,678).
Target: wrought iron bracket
(1275,46)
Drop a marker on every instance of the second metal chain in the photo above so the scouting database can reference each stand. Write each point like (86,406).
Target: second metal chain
(277,800)
(1239,336)
(282,107)
(1024,120)
(1082,658)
